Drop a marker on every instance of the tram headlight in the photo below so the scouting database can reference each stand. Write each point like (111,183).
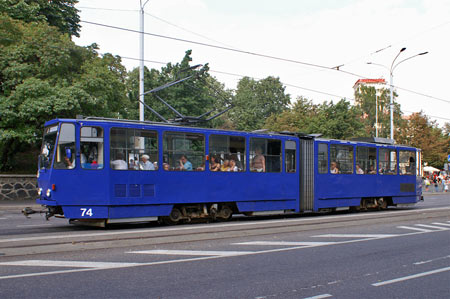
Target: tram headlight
(40,191)
(48,193)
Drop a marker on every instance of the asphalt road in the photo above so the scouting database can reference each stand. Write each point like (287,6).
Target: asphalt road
(399,253)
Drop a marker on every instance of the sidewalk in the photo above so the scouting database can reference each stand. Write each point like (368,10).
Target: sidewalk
(18,205)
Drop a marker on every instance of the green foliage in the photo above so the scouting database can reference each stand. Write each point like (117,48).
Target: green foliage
(366,101)
(192,97)
(339,121)
(419,131)
(257,100)
(61,14)
(44,75)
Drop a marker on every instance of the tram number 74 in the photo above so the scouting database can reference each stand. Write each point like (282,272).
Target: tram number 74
(86,212)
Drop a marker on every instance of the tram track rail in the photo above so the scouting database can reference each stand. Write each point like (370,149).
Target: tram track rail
(20,245)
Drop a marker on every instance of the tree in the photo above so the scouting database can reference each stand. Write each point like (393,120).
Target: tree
(59,13)
(299,118)
(339,121)
(193,97)
(419,131)
(255,101)
(366,101)
(44,75)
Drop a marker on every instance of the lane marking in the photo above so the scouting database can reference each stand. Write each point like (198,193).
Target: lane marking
(439,223)
(432,226)
(374,236)
(67,264)
(96,269)
(416,229)
(432,260)
(410,277)
(185,260)
(194,252)
(187,228)
(3,218)
(284,243)
(320,296)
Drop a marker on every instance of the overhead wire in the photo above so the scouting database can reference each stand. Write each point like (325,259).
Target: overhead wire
(292,85)
(226,48)
(256,78)
(189,31)
(110,9)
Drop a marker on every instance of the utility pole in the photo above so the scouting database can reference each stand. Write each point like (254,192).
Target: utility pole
(141,64)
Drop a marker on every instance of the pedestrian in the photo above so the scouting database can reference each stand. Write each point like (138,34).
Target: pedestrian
(427,184)
(435,183)
(446,184)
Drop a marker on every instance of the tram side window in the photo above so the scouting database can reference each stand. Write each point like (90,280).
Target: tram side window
(65,150)
(183,151)
(366,160)
(265,155)
(322,156)
(407,162)
(227,153)
(133,149)
(341,157)
(289,156)
(91,145)
(387,161)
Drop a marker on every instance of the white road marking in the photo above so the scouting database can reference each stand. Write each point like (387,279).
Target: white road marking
(410,277)
(432,226)
(96,269)
(202,258)
(283,243)
(320,296)
(67,264)
(374,236)
(432,260)
(3,218)
(194,252)
(439,223)
(197,227)
(416,229)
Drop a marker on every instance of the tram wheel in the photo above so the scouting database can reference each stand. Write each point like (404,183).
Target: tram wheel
(174,217)
(226,213)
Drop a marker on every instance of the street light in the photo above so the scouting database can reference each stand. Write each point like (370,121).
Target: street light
(391,74)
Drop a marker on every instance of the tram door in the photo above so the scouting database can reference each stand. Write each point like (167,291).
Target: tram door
(306,175)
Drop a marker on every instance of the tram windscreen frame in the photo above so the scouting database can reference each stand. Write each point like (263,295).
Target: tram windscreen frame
(48,146)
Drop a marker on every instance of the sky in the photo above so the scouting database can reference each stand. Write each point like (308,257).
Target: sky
(315,36)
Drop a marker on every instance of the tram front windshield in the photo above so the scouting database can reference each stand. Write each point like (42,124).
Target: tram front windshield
(48,146)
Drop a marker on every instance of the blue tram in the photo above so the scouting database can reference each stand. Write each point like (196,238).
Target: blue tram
(100,171)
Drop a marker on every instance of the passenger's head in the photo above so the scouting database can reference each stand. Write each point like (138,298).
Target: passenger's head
(333,165)
(119,156)
(145,158)
(183,158)
(232,163)
(165,166)
(226,162)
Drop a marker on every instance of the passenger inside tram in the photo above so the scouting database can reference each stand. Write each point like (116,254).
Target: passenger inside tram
(334,169)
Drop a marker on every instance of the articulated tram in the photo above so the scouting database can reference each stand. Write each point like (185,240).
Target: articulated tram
(100,171)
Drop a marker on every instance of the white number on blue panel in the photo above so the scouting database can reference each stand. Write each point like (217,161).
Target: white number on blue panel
(86,212)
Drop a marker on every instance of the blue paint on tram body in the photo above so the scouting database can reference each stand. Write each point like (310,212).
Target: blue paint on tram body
(114,169)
